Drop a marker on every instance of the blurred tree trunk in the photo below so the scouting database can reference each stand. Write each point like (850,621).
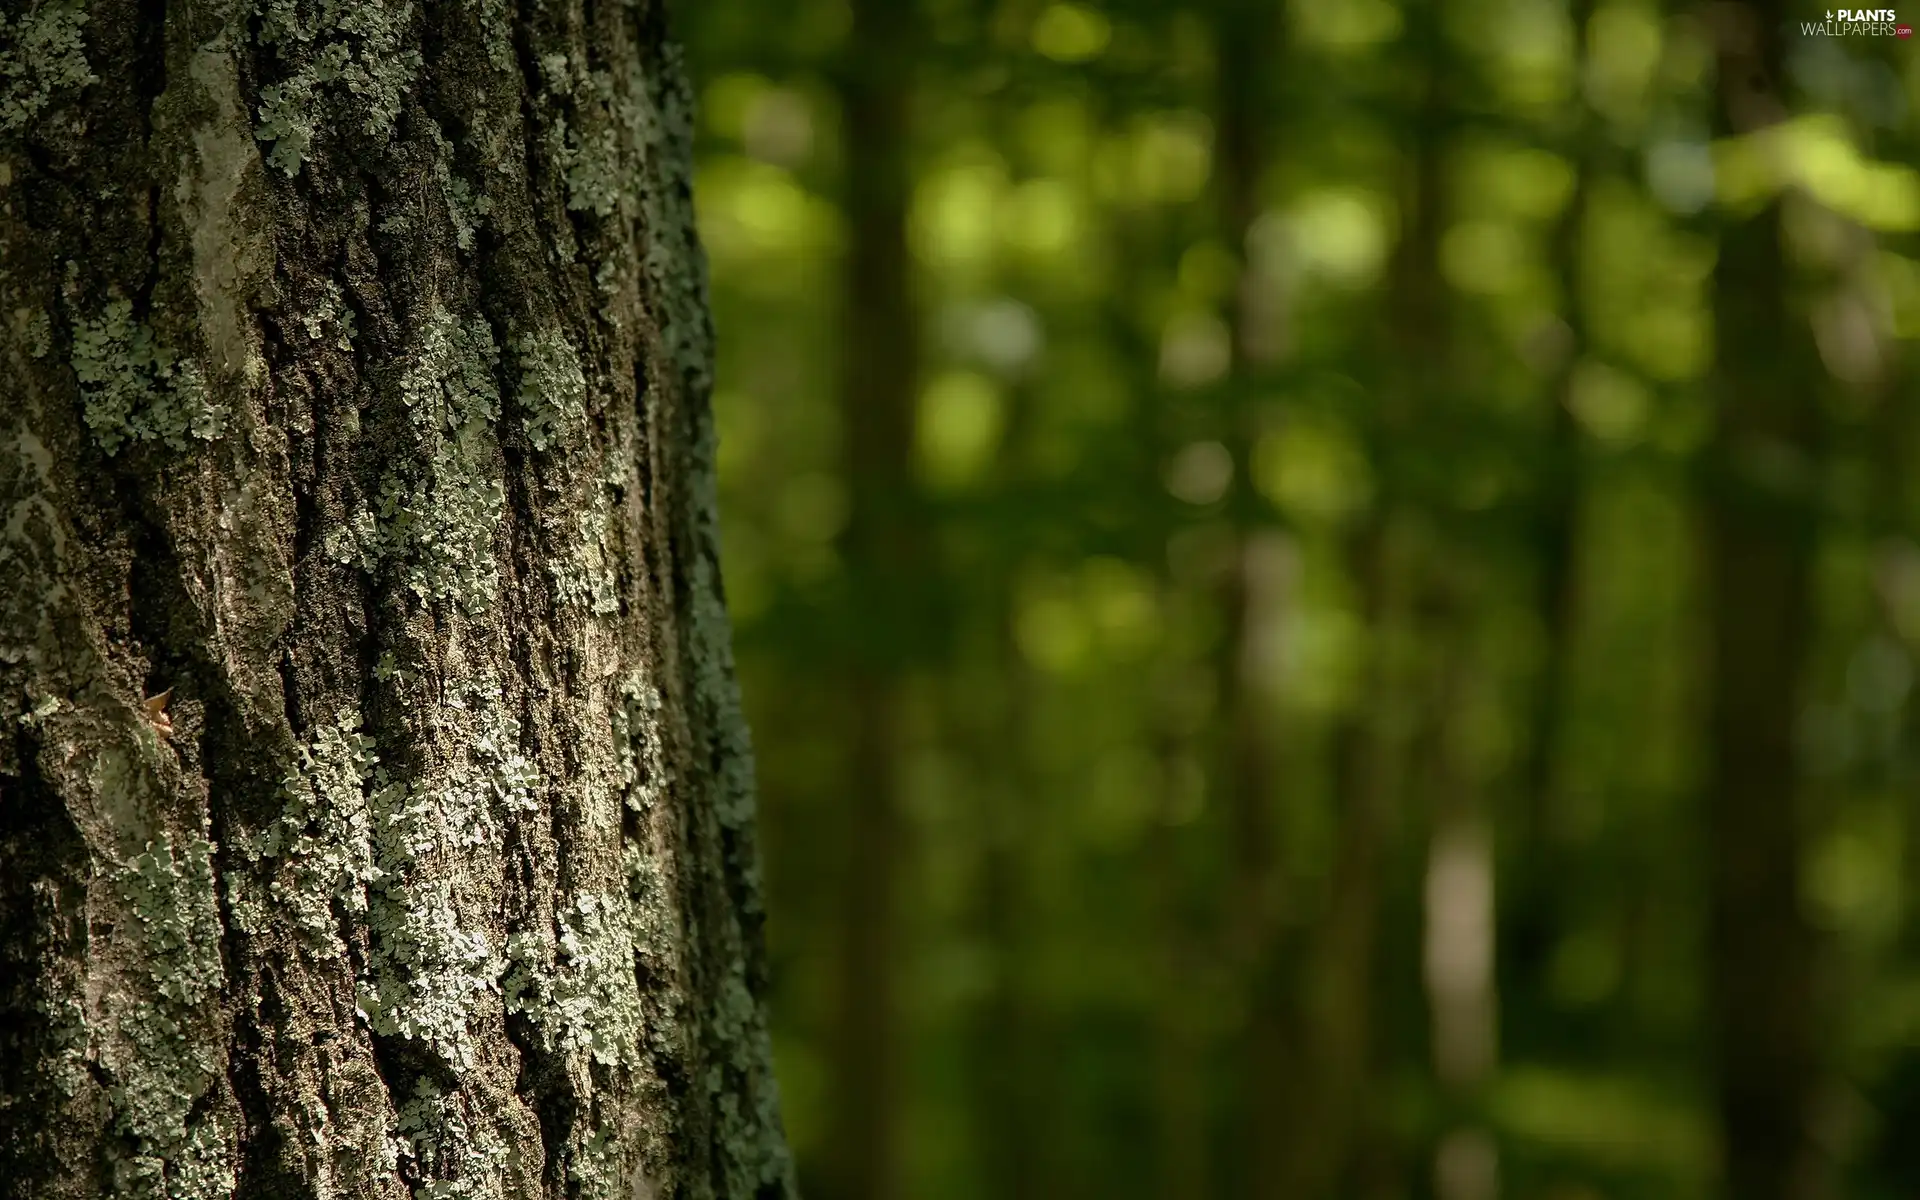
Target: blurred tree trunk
(1890,375)
(1337,1034)
(1898,568)
(880,368)
(1181,1063)
(1011,1058)
(1893,1158)
(1247,49)
(1537,884)
(1014,1125)
(1458,897)
(1338,1152)
(376,813)
(1181,952)
(1759,536)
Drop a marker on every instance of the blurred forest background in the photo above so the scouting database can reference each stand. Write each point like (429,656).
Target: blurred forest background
(1327,591)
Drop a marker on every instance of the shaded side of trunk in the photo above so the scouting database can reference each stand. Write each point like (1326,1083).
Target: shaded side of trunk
(378,814)
(1759,534)
(880,364)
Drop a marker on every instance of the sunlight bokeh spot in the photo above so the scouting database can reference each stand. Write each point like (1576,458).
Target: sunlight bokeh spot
(1484,257)
(1071,33)
(961,415)
(1340,235)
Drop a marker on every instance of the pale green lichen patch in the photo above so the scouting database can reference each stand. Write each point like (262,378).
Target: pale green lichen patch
(577,987)
(594,1164)
(585,573)
(430,971)
(654,916)
(458,1157)
(159,1071)
(467,207)
(159,1065)
(42,53)
(46,707)
(358,843)
(443,524)
(587,151)
(584,1002)
(39,336)
(173,898)
(203,1169)
(66,1019)
(590,164)
(286,121)
(496,29)
(437,522)
(133,388)
(324,834)
(343,57)
(553,391)
(639,743)
(584,577)
(330,317)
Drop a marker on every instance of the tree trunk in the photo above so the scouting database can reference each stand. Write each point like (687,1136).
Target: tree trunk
(1758,557)
(880,365)
(1251,599)
(376,813)
(1339,1142)
(1458,895)
(1014,1111)
(1009,1059)
(1533,920)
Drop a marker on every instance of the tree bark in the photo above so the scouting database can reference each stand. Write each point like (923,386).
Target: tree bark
(376,813)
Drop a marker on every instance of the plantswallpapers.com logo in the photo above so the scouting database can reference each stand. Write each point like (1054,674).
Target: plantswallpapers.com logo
(1857,22)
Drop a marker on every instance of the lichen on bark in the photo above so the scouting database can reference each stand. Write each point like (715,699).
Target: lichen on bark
(374,798)
(42,53)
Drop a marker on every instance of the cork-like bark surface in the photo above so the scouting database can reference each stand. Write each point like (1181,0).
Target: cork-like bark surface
(375,808)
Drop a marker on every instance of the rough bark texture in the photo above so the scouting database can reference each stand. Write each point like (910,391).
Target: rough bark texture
(375,807)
